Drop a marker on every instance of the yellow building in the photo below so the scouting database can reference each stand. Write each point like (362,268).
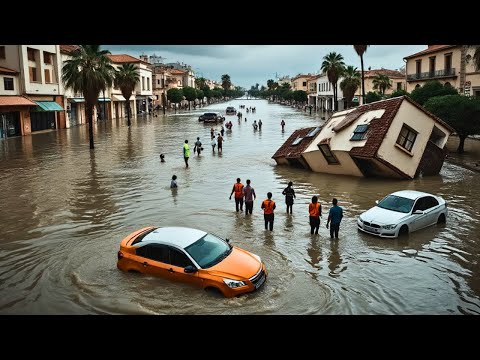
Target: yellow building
(443,63)
(300,81)
(396,77)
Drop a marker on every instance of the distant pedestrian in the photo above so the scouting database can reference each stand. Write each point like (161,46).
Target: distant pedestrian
(212,133)
(259,124)
(268,207)
(246,118)
(255,125)
(315,211)
(198,146)
(186,152)
(335,216)
(249,193)
(213,143)
(162,158)
(238,190)
(222,131)
(289,196)
(283,125)
(220,143)
(173,183)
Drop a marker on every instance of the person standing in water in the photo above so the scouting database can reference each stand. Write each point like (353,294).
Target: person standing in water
(186,152)
(173,183)
(249,193)
(289,196)
(220,143)
(198,146)
(315,211)
(259,124)
(268,207)
(283,125)
(238,190)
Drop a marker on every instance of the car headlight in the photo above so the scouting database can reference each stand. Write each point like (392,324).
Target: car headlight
(389,227)
(233,283)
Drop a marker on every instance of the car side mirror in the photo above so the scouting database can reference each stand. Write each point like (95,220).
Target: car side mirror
(227,240)
(376,202)
(190,269)
(418,212)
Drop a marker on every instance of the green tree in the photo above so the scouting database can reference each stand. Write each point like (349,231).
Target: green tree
(300,96)
(400,92)
(190,94)
(270,83)
(175,95)
(207,92)
(333,66)
(88,71)
(200,95)
(126,79)
(431,89)
(460,112)
(372,97)
(350,83)
(382,82)
(226,82)
(200,82)
(361,49)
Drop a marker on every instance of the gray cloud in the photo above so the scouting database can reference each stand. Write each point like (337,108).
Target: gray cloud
(251,64)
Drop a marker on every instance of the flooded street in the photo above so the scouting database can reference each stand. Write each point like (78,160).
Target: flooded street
(65,209)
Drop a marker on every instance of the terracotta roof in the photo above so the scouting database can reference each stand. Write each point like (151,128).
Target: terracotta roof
(288,150)
(431,49)
(378,127)
(177,72)
(67,49)
(15,101)
(124,58)
(382,71)
(301,76)
(4,70)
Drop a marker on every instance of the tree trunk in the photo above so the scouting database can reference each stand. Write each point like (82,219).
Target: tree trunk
(335,105)
(175,106)
(90,124)
(128,112)
(363,81)
(461,144)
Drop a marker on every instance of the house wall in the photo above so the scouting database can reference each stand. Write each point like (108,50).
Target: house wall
(369,86)
(16,84)
(420,122)
(146,74)
(12,59)
(317,163)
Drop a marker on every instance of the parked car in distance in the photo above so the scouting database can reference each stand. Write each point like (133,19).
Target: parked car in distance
(403,212)
(231,110)
(211,117)
(192,256)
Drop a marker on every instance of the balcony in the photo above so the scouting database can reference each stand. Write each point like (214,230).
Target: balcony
(445,73)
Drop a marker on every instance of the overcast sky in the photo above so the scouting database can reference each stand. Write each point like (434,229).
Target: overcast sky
(251,64)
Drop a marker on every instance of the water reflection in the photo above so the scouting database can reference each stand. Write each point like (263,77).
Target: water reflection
(334,259)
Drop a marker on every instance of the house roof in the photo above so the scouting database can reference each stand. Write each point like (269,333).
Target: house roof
(288,150)
(379,126)
(302,76)
(15,101)
(382,71)
(67,49)
(177,72)
(7,71)
(124,58)
(431,49)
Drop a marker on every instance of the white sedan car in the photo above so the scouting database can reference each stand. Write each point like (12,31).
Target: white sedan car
(403,212)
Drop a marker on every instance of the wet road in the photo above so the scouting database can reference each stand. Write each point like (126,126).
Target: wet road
(64,211)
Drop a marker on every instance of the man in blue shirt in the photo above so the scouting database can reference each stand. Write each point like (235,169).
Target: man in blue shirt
(335,216)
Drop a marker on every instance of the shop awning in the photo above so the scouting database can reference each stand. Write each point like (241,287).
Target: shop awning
(15,101)
(118,98)
(48,106)
(104,99)
(77,100)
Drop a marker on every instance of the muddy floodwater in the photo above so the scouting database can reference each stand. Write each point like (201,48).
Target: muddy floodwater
(64,210)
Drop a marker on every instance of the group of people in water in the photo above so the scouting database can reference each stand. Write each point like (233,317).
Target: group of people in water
(246,194)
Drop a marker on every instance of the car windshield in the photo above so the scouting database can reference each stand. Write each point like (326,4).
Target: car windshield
(396,203)
(210,114)
(208,251)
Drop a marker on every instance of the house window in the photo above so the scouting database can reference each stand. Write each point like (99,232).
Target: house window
(47,58)
(47,76)
(399,86)
(304,83)
(360,132)
(143,82)
(297,141)
(418,64)
(8,83)
(33,73)
(2,52)
(407,137)
(432,66)
(313,132)
(448,63)
(327,154)
(31,54)
(148,83)
(158,82)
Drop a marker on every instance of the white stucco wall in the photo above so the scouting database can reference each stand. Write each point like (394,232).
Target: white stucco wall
(40,87)
(145,72)
(11,60)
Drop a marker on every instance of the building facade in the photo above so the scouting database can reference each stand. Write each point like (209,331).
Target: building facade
(396,77)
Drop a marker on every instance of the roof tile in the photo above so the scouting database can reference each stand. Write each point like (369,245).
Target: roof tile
(15,101)
(289,151)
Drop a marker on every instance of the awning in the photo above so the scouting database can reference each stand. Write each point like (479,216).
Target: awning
(15,101)
(104,99)
(48,106)
(118,98)
(77,100)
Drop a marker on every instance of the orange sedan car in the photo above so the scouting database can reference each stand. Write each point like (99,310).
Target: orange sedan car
(193,256)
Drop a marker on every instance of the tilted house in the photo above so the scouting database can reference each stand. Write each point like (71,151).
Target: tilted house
(394,138)
(290,153)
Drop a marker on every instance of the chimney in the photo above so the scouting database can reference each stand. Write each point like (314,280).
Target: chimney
(144,57)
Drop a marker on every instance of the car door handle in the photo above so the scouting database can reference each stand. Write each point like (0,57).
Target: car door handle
(171,270)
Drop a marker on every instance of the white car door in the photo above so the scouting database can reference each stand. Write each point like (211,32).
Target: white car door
(432,211)
(418,221)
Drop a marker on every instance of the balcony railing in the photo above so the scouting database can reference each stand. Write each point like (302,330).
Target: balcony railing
(432,75)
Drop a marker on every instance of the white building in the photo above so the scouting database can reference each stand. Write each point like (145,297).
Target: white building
(325,94)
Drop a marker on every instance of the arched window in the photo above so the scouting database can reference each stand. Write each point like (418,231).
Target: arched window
(447,84)
(417,86)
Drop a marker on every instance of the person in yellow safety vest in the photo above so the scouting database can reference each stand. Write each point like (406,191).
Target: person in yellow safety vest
(315,211)
(186,152)
(268,206)
(238,190)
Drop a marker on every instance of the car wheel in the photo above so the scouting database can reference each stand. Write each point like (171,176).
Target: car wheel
(441,219)
(403,230)
(215,292)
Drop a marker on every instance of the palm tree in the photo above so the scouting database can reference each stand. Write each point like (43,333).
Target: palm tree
(200,82)
(226,82)
(361,49)
(88,71)
(382,82)
(350,83)
(270,84)
(126,79)
(333,66)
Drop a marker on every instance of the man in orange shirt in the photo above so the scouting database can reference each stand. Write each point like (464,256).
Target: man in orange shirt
(315,211)
(238,190)
(268,206)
